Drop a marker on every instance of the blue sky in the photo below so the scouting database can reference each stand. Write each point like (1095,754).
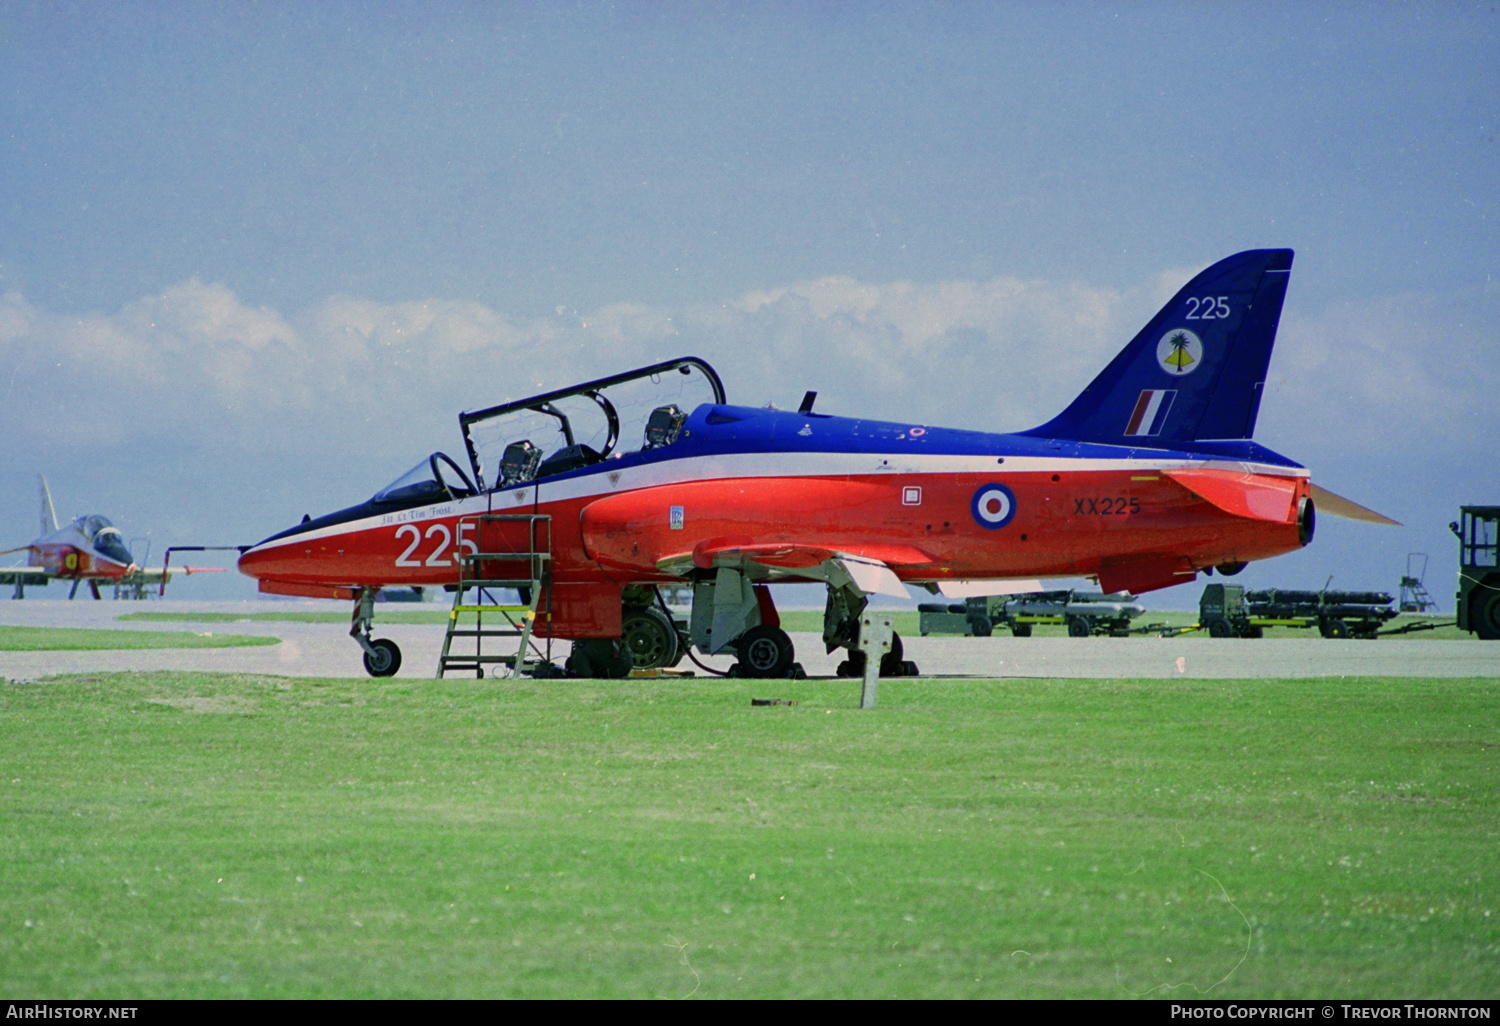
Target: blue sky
(255,258)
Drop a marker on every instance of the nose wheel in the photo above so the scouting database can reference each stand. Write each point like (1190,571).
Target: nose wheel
(383,659)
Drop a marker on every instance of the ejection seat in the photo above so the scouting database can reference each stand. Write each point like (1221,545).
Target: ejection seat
(569,458)
(663,426)
(519,463)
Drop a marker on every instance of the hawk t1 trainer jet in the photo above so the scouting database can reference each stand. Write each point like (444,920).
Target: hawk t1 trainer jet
(88,549)
(618,486)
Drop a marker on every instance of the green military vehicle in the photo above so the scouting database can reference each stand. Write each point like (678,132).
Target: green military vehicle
(1229,611)
(1223,612)
(1084,613)
(1478,531)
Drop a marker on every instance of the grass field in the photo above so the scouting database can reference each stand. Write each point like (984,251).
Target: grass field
(48,639)
(184,835)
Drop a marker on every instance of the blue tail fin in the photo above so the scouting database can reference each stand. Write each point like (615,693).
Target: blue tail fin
(1195,373)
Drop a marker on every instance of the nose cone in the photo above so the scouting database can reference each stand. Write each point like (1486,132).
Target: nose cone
(257,562)
(284,552)
(300,556)
(302,552)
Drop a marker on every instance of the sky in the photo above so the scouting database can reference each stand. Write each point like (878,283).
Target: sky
(255,258)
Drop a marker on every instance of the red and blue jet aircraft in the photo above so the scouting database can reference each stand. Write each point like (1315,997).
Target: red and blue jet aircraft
(90,548)
(1148,478)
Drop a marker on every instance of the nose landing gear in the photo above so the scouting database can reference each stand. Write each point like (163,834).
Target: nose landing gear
(382,656)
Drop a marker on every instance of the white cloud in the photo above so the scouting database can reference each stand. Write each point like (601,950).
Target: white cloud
(196,366)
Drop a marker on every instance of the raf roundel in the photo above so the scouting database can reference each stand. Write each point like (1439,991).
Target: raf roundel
(994,506)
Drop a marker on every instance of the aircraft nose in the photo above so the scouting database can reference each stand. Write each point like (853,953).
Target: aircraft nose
(274,558)
(252,562)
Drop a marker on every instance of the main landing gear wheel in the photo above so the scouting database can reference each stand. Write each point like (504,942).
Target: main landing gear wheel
(764,652)
(385,660)
(892,664)
(599,659)
(1484,612)
(650,638)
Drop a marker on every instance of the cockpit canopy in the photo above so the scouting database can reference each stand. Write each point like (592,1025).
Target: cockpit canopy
(104,537)
(588,423)
(434,479)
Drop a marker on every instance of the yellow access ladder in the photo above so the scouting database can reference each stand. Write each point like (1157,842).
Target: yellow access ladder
(511,551)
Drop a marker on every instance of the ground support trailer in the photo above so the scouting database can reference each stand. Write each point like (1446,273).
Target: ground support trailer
(949,618)
(1229,611)
(1084,613)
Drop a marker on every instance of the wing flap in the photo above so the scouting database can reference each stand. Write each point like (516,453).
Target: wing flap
(870,576)
(866,567)
(787,556)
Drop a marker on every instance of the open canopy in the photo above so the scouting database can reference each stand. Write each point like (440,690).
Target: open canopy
(578,426)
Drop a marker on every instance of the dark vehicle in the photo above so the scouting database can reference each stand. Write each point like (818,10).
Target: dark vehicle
(1229,611)
(1478,531)
(1084,613)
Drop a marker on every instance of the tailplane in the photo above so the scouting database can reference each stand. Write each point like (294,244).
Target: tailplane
(1196,371)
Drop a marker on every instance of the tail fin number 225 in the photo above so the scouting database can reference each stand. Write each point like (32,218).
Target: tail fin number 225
(1207,308)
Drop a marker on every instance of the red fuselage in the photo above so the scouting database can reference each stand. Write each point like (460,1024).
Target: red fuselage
(1136,521)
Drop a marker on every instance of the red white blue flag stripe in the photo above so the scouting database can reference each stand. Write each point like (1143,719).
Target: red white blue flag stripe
(1150,411)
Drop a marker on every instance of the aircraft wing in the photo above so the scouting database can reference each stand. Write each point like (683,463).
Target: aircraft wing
(866,567)
(19,577)
(25,574)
